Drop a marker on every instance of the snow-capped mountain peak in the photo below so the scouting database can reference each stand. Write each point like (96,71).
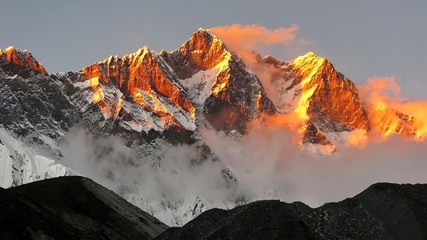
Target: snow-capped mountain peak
(156,104)
(22,58)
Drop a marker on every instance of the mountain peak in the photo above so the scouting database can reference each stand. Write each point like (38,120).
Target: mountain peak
(310,54)
(122,87)
(22,58)
(203,50)
(309,58)
(204,30)
(204,35)
(139,54)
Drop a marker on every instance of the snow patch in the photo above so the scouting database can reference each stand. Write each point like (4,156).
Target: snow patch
(20,163)
(199,86)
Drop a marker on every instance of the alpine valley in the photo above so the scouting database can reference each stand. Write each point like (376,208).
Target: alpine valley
(136,124)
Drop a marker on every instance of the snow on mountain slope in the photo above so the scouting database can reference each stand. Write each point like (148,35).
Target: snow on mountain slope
(22,164)
(144,112)
(199,86)
(137,83)
(236,95)
(6,167)
(324,100)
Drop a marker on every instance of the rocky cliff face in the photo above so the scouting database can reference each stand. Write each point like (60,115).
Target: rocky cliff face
(389,121)
(228,93)
(141,81)
(21,58)
(159,101)
(144,98)
(70,208)
(325,102)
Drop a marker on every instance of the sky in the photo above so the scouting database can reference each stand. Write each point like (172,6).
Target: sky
(363,39)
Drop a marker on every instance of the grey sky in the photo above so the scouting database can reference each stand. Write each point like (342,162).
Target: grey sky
(361,38)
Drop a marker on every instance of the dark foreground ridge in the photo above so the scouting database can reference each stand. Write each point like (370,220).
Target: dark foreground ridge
(71,208)
(383,211)
(78,208)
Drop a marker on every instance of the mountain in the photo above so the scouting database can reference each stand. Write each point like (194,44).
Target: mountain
(144,98)
(77,207)
(152,106)
(72,208)
(383,211)
(326,102)
(229,94)
(199,84)
(391,121)
(23,59)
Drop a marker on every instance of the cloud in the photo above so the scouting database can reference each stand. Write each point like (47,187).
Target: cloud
(268,161)
(149,173)
(281,42)
(268,164)
(381,96)
(241,38)
(247,40)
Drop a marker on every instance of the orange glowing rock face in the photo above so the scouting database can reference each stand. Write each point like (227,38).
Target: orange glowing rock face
(321,104)
(204,52)
(325,92)
(416,115)
(139,76)
(12,56)
(24,59)
(403,119)
(394,115)
(389,121)
(235,94)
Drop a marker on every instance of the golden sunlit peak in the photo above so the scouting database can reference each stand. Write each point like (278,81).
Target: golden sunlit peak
(110,59)
(203,32)
(9,51)
(310,56)
(138,54)
(145,48)
(10,48)
(22,58)
(142,50)
(310,62)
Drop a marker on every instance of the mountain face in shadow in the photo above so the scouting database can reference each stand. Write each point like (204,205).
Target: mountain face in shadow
(383,211)
(78,208)
(71,208)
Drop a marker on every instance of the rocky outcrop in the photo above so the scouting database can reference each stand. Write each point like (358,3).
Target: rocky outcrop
(70,208)
(383,211)
(21,58)
(230,95)
(322,99)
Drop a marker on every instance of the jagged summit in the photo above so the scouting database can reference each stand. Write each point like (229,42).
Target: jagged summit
(323,99)
(310,54)
(202,51)
(140,90)
(156,102)
(22,58)
(219,81)
(309,63)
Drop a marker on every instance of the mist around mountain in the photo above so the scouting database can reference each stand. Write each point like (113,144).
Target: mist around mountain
(382,211)
(205,126)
